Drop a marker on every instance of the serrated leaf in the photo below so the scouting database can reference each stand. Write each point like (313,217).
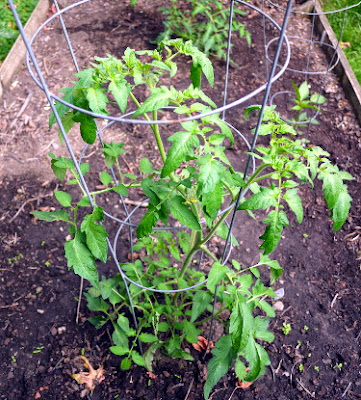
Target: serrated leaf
(58,215)
(223,356)
(210,173)
(200,303)
(216,274)
(88,128)
(318,99)
(96,303)
(265,198)
(149,355)
(121,93)
(212,201)
(182,146)
(125,364)
(120,189)
(60,107)
(341,209)
(241,323)
(304,91)
(105,178)
(123,323)
(119,337)
(137,358)
(196,75)
(276,220)
(295,203)
(257,357)
(159,98)
(147,223)
(119,350)
(163,327)
(191,332)
(240,369)
(145,166)
(81,260)
(148,338)
(183,213)
(97,100)
(222,231)
(95,234)
(267,308)
(63,198)
(332,186)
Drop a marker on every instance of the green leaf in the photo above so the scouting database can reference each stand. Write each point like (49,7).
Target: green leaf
(105,178)
(149,355)
(96,303)
(265,198)
(97,100)
(341,208)
(68,122)
(137,358)
(163,327)
(216,274)
(183,213)
(200,302)
(119,337)
(125,364)
(123,323)
(267,308)
(63,198)
(196,75)
(318,99)
(276,220)
(88,128)
(332,186)
(222,231)
(119,350)
(240,370)
(182,146)
(210,173)
(304,91)
(275,268)
(145,166)
(147,223)
(58,215)
(60,107)
(257,357)
(241,323)
(96,234)
(81,259)
(120,189)
(148,338)
(121,93)
(191,332)
(213,201)
(260,329)
(159,98)
(295,203)
(223,356)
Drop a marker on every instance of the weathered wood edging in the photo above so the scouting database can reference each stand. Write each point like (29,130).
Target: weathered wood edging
(343,68)
(15,58)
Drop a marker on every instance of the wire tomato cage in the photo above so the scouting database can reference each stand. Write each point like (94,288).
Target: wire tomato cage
(274,70)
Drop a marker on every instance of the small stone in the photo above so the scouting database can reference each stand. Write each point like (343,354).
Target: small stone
(53,331)
(40,311)
(166,374)
(278,306)
(61,329)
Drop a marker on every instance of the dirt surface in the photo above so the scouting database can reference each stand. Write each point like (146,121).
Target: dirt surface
(38,295)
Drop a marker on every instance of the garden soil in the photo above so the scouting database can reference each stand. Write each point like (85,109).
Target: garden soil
(40,339)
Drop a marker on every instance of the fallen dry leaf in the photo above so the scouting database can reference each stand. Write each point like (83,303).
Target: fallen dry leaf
(243,385)
(151,375)
(202,344)
(89,379)
(343,45)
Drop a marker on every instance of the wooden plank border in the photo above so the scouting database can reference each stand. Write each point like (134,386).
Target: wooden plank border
(343,69)
(15,58)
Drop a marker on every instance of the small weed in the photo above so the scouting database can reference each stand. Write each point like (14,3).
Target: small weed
(301,367)
(299,343)
(339,366)
(316,368)
(38,349)
(305,236)
(306,328)
(13,359)
(286,328)
(47,263)
(179,377)
(43,243)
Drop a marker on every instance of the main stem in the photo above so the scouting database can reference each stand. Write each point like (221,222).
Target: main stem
(194,247)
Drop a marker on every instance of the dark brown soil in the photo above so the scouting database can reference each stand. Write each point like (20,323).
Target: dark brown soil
(38,295)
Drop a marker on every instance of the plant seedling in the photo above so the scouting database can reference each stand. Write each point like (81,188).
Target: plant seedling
(305,101)
(286,328)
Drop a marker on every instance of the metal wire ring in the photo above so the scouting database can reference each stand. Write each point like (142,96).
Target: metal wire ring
(158,122)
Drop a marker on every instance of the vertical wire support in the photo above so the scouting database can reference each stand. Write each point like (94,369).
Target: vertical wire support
(230,23)
(67,38)
(265,38)
(254,141)
(62,130)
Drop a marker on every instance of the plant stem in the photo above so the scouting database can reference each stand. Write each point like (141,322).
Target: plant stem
(208,252)
(194,247)
(160,145)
